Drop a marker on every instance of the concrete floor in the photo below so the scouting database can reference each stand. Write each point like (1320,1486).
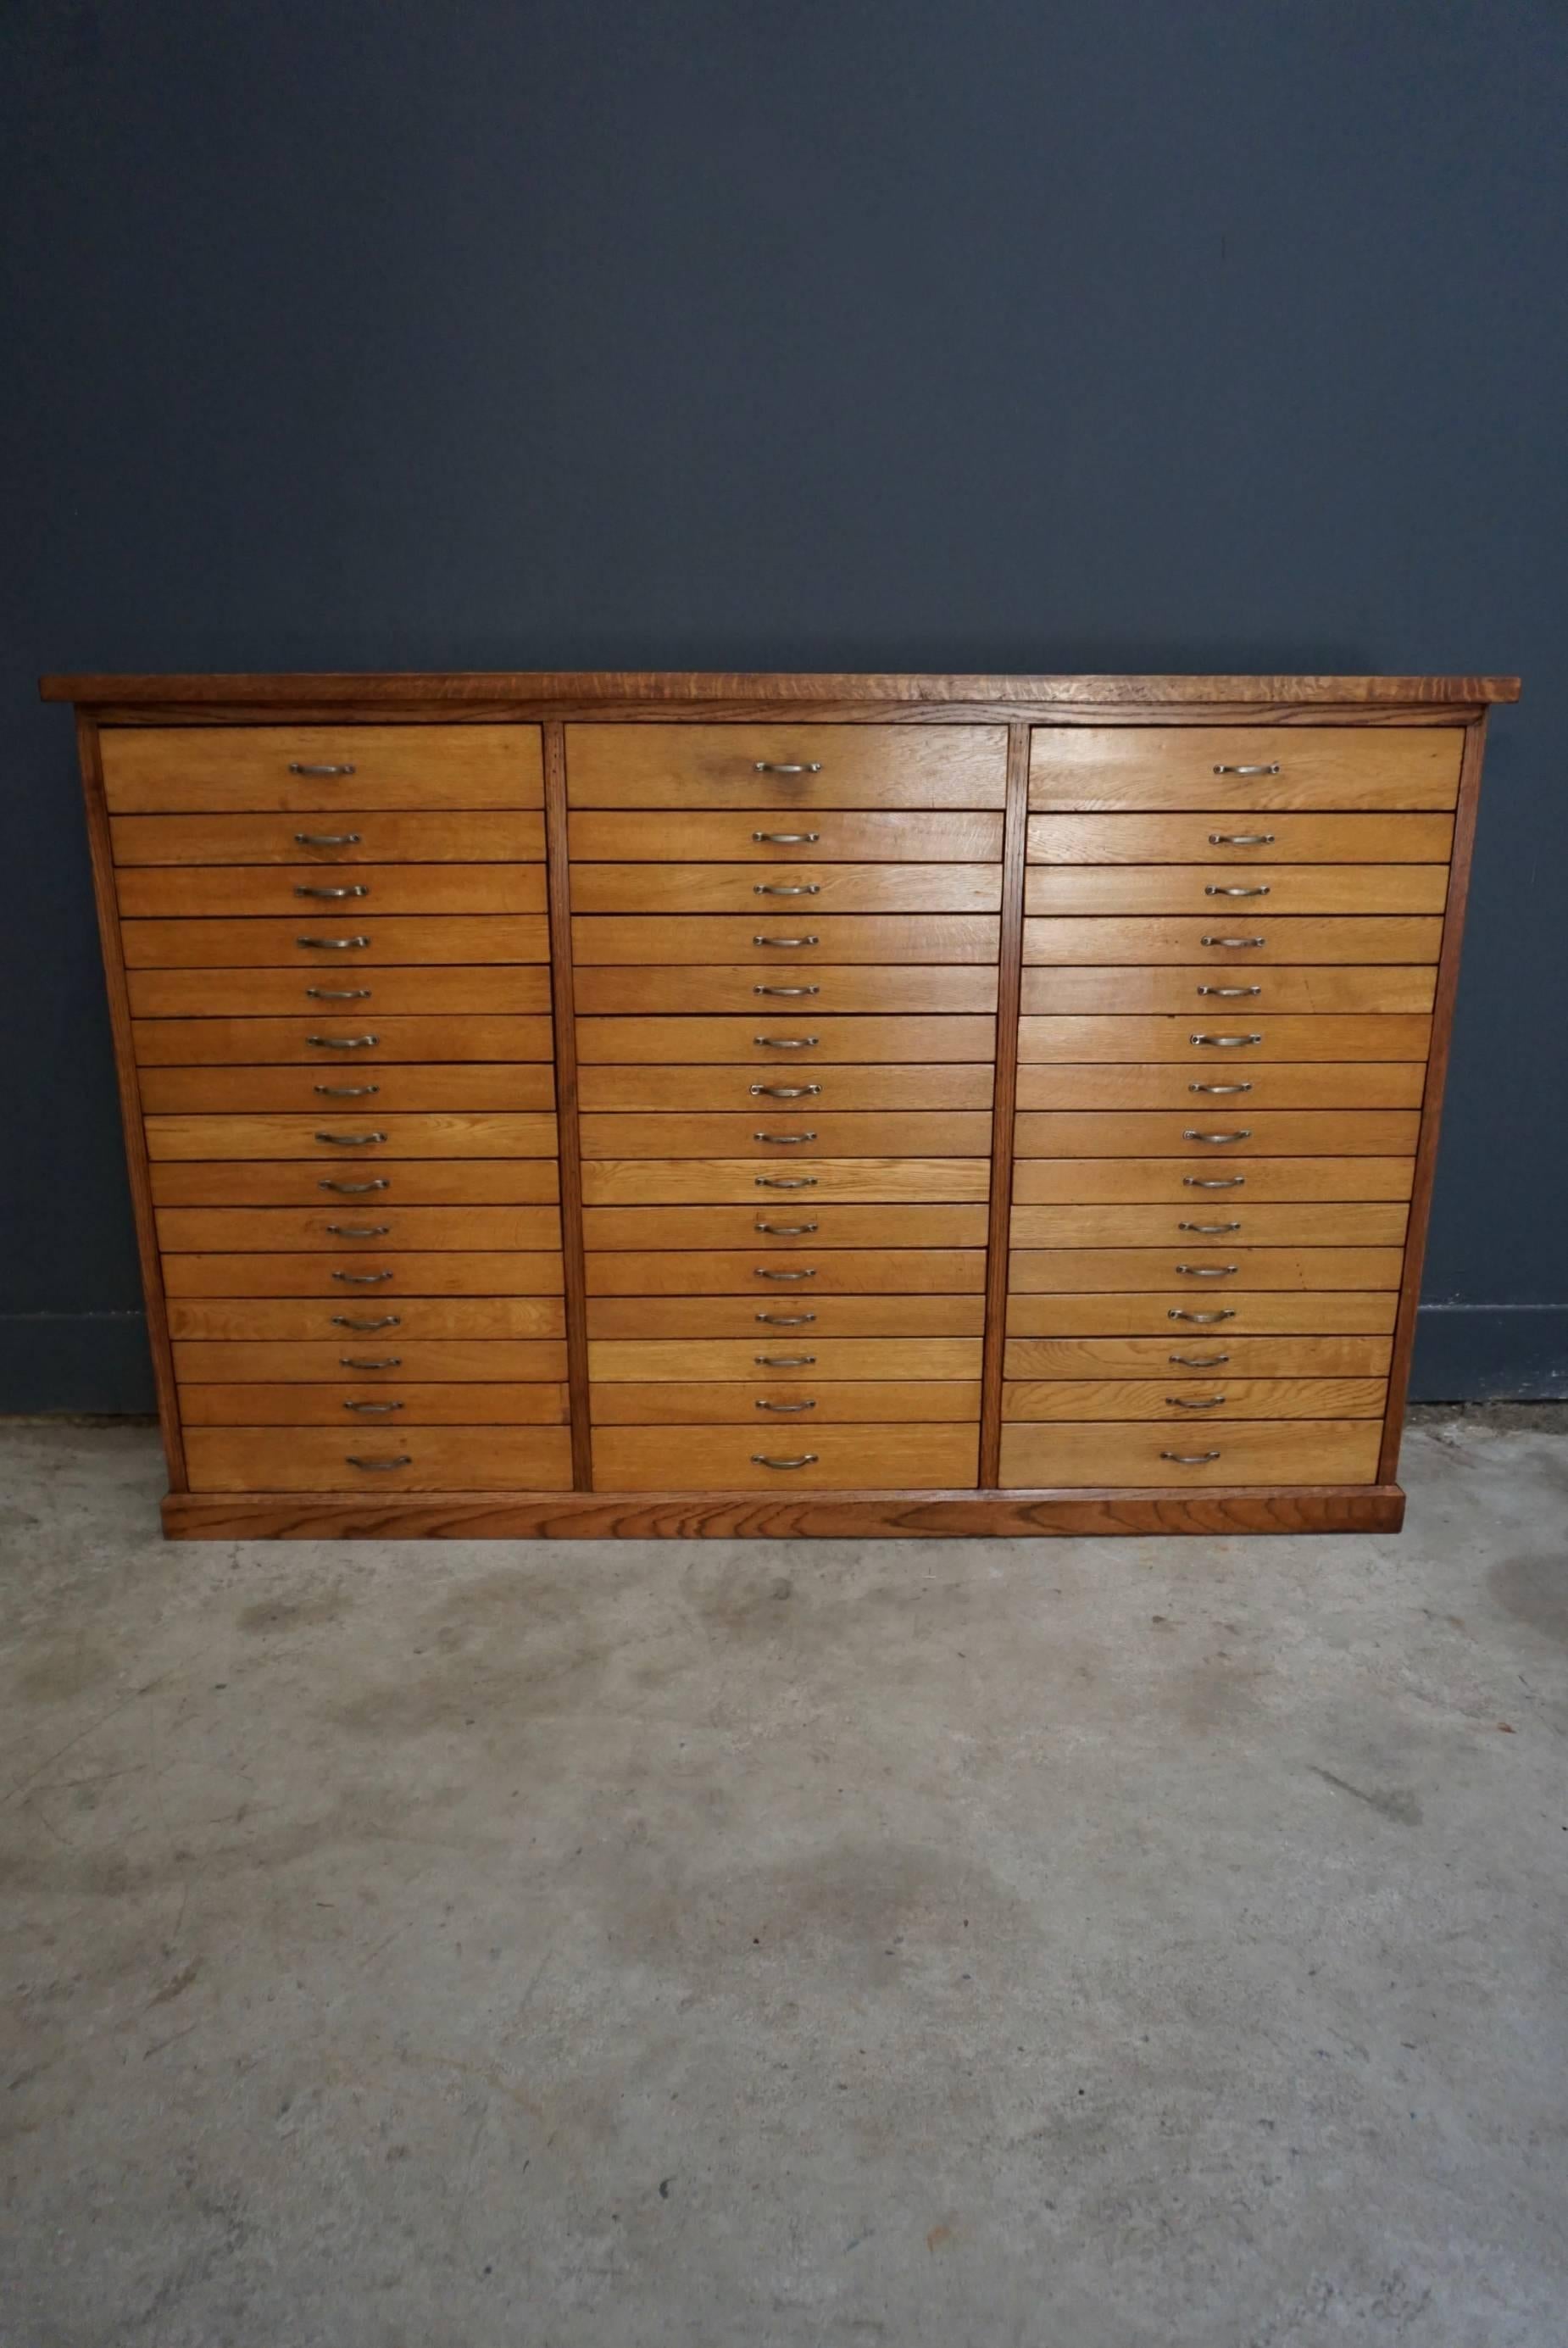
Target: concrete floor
(985,1945)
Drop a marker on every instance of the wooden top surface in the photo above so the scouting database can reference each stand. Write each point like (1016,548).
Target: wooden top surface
(719,689)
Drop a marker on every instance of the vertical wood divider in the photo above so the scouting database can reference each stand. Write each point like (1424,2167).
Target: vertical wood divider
(1432,1095)
(106,899)
(1009,985)
(558,878)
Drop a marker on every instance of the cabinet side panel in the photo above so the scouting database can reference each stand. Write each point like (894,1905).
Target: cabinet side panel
(569,1144)
(1009,981)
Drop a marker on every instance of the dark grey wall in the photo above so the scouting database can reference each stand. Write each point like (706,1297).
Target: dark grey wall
(998,334)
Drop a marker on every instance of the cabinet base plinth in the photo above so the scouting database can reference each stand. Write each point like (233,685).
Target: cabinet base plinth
(744,1516)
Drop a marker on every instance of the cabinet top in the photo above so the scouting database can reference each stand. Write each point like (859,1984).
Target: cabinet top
(699,689)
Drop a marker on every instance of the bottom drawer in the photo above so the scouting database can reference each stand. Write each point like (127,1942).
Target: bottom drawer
(847,1401)
(1247,1451)
(737,1459)
(389,1401)
(378,1459)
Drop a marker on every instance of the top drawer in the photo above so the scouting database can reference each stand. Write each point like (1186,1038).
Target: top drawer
(1221,767)
(699,766)
(208,769)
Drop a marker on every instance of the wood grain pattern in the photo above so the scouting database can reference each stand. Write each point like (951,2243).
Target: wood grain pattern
(1330,989)
(214,891)
(1173,1358)
(904,1085)
(361,1194)
(791,1043)
(334,1088)
(451,1133)
(783,987)
(682,1182)
(1175,1311)
(220,1231)
(800,1132)
(194,769)
(707,768)
(916,1458)
(832,938)
(834,836)
(434,1459)
(756,1273)
(352,1278)
(1224,837)
(822,888)
(1334,1223)
(370,1361)
(1247,1451)
(756,1226)
(1064,1269)
(1189,940)
(638,1361)
(1209,1401)
(393,1406)
(1265,1133)
(1089,888)
(337,835)
(254,943)
(1042,1181)
(1162,767)
(309,997)
(771,1411)
(1307,1084)
(1123,1036)
(361,1323)
(788,1320)
(564,983)
(355,1039)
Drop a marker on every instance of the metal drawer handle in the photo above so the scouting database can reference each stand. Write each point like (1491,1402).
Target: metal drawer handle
(1241,839)
(1212,1181)
(785,1181)
(1190,1459)
(1219,1089)
(1233,942)
(1203,1318)
(1215,889)
(338,994)
(351,1141)
(1209,1230)
(1202,1402)
(328,838)
(1199,1361)
(344,1042)
(1248,770)
(350,889)
(787,888)
(332,945)
(296,767)
(809,1405)
(783,1138)
(1242,1133)
(359,1230)
(758,939)
(344,1092)
(772,767)
(784,1320)
(787,838)
(1207,1270)
(1229,993)
(786,1231)
(1223,1043)
(374,1409)
(806,1459)
(354,1189)
(769,1271)
(785,1361)
(357,1362)
(363,1328)
(786,990)
(784,1092)
(363,1279)
(786,1042)
(379,1466)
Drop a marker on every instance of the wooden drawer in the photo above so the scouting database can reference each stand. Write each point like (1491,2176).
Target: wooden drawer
(791,990)
(343,941)
(198,769)
(260,1361)
(686,835)
(367,1324)
(721,1085)
(1174,1312)
(614,1361)
(318,995)
(1347,1223)
(1369,767)
(849,1402)
(338,1035)
(1233,840)
(784,1229)
(833,937)
(786,1321)
(750,1273)
(219,1230)
(777,1130)
(698,768)
(359,1194)
(339,837)
(1089,888)
(1041,1181)
(1173,1358)
(316,893)
(379,1277)
(793,888)
(451,1135)
(1302,938)
(680,1181)
(1208,1401)
(774,1041)
(347,1407)
(930,1459)
(1330,988)
(331,1089)
(1187,1266)
(1192,1037)
(1268,1133)
(1331,1084)
(437,1459)
(1247,1451)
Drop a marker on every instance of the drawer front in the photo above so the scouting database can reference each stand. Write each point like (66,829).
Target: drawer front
(318,995)
(1331,1084)
(1206,1402)
(634,1361)
(432,1459)
(832,938)
(1345,767)
(1218,1035)
(342,1136)
(354,1411)
(788,1321)
(337,837)
(1102,1182)
(1207,1269)
(791,889)
(315,893)
(698,768)
(774,1041)
(341,942)
(774,1130)
(1302,938)
(360,1195)
(330,1040)
(1229,839)
(1257,1451)
(1228,996)
(784,1228)
(354,1088)
(350,1279)
(930,1459)
(762,1278)
(1333,1224)
(779,988)
(678,1181)
(371,1324)
(773,1413)
(771,1091)
(837,836)
(1218,1133)
(368,1362)
(1205,888)
(1173,1312)
(1173,1359)
(348,1230)
(201,770)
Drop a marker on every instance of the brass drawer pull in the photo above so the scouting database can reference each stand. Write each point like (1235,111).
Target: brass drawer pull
(784,1320)
(1219,1089)
(787,888)
(363,1328)
(1217,888)
(1241,839)
(349,889)
(784,1092)
(1229,993)
(357,1362)
(785,1181)
(1190,1459)
(328,838)
(787,839)
(332,945)
(379,1466)
(359,1230)
(1223,1043)
(790,943)
(1227,1312)
(351,1141)
(772,1271)
(1209,1230)
(785,1361)
(1248,770)
(1197,1361)
(1202,1402)
(786,1042)
(809,1405)
(1241,1133)
(1212,1181)
(353,1190)
(374,1409)
(771,767)
(806,1459)
(344,1092)
(344,1042)
(786,990)
(1233,942)
(1207,1270)
(363,1279)
(786,1231)
(783,1138)
(296,767)
(338,994)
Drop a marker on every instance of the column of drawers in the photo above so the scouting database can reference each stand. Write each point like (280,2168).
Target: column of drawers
(1231,940)
(337,962)
(785,943)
